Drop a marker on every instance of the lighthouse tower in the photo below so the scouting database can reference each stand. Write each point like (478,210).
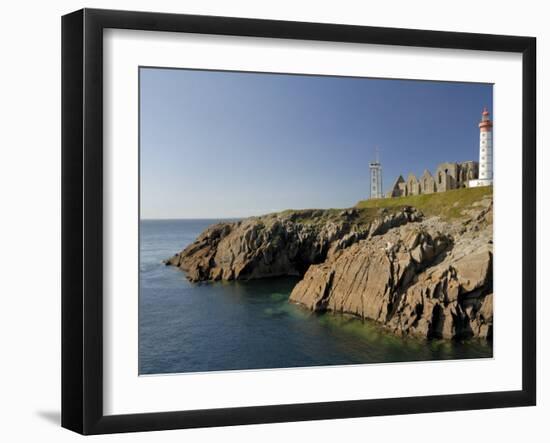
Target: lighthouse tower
(375,178)
(485,177)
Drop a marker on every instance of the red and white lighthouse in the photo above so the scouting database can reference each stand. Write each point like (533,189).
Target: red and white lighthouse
(485,147)
(485,177)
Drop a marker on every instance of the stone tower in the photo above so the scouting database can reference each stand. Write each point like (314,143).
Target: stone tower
(376,179)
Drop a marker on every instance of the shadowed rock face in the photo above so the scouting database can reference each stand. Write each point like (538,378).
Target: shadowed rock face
(271,246)
(414,280)
(422,277)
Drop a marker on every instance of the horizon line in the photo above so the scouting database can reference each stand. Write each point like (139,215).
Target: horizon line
(195,218)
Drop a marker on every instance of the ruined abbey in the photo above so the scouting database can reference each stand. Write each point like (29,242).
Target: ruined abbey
(447,176)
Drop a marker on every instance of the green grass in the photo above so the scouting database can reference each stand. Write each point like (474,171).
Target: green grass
(447,205)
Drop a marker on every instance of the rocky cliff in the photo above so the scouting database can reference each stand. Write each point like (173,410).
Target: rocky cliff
(428,276)
(280,244)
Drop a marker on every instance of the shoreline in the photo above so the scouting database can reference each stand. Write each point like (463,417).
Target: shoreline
(424,272)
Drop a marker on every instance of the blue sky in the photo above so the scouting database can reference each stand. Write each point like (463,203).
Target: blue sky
(228,144)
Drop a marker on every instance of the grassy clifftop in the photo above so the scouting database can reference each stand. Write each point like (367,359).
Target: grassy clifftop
(447,205)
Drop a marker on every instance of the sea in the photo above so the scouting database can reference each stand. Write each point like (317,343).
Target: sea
(224,326)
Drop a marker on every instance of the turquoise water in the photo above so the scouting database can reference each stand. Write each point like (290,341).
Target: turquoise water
(190,327)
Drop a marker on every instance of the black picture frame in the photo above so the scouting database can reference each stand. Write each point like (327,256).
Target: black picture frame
(82,218)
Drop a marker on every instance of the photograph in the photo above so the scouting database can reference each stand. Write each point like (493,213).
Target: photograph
(291,220)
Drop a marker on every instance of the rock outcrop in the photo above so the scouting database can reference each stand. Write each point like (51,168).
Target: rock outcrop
(416,276)
(414,280)
(280,244)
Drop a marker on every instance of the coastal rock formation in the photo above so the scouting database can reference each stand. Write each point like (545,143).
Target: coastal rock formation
(418,275)
(414,280)
(279,244)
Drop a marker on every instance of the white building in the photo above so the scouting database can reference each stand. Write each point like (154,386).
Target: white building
(485,177)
